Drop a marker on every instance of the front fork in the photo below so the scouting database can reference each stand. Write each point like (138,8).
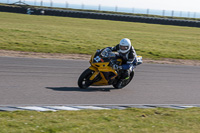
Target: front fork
(96,72)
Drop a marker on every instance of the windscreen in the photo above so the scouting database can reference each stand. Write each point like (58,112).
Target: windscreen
(107,52)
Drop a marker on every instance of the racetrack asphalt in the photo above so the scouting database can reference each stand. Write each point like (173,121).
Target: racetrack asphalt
(29,81)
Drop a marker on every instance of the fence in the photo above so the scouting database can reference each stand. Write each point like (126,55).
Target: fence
(93,15)
(149,11)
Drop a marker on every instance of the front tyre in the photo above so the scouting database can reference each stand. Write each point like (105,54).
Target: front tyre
(83,81)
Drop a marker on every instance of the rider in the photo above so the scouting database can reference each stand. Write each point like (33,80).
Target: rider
(128,55)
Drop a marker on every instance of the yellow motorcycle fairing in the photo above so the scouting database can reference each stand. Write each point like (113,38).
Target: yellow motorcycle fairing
(99,68)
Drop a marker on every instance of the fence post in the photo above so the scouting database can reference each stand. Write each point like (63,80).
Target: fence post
(172,14)
(82,6)
(133,10)
(163,13)
(147,11)
(99,7)
(41,3)
(67,4)
(116,9)
(194,14)
(51,3)
(188,14)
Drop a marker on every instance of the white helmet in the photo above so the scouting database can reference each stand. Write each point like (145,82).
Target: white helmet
(124,45)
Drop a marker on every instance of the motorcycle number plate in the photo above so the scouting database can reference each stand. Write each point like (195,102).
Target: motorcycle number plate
(97,59)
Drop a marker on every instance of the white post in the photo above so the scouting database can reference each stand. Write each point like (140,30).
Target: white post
(172,13)
(116,8)
(82,6)
(163,13)
(67,4)
(188,14)
(51,3)
(194,14)
(99,7)
(147,11)
(180,13)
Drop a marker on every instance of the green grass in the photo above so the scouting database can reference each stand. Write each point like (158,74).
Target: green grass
(109,121)
(50,34)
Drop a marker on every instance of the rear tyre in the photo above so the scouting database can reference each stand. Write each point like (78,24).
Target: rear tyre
(83,81)
(121,83)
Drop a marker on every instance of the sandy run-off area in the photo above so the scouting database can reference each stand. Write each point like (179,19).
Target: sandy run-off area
(9,53)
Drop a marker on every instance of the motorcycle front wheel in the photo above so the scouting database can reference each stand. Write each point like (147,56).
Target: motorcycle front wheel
(83,81)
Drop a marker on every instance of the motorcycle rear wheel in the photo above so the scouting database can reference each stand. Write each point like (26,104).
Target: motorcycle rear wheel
(83,81)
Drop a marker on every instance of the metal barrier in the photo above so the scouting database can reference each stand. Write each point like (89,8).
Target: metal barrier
(93,15)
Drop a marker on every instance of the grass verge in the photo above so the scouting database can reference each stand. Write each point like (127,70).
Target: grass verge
(116,121)
(50,34)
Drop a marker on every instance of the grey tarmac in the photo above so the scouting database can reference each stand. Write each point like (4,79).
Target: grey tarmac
(30,81)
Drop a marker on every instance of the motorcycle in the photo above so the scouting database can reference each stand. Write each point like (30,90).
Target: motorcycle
(101,71)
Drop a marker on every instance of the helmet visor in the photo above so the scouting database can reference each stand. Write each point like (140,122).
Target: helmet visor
(123,47)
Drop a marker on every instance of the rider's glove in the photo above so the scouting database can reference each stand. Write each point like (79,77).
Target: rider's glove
(119,67)
(116,67)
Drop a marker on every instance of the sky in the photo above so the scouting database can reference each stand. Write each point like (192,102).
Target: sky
(176,5)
